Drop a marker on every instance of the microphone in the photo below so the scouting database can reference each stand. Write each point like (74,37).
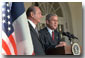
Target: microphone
(66,34)
(74,36)
(69,35)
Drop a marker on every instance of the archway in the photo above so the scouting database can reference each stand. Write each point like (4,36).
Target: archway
(60,8)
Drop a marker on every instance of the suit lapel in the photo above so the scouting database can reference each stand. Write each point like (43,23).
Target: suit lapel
(50,38)
(48,35)
(32,29)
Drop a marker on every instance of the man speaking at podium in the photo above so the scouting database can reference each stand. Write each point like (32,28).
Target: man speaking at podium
(49,36)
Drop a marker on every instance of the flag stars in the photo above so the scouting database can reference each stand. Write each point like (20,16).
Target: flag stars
(3,15)
(7,4)
(8,10)
(9,23)
(9,28)
(3,9)
(8,16)
(4,21)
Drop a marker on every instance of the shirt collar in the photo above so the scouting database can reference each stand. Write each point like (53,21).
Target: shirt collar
(50,31)
(33,25)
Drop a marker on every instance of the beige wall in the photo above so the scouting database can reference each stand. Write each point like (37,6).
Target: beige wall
(27,4)
(76,15)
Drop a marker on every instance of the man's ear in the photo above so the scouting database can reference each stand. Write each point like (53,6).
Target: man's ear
(32,14)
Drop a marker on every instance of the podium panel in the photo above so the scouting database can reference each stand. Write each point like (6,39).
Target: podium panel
(59,51)
(56,51)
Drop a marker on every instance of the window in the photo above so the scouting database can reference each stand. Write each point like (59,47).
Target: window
(50,7)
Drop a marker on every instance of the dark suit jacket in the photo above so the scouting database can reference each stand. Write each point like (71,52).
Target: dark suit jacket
(36,43)
(46,39)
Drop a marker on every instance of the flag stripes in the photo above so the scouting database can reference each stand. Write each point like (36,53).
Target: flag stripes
(7,44)
(13,43)
(5,47)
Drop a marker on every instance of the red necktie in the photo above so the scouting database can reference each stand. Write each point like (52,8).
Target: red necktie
(52,35)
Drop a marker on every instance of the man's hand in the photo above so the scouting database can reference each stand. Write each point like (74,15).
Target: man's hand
(61,44)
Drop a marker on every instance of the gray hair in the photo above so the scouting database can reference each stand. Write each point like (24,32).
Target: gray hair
(49,16)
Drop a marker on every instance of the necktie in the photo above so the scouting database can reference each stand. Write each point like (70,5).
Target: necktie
(52,35)
(36,31)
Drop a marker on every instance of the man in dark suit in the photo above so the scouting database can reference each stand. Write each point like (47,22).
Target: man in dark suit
(34,14)
(49,36)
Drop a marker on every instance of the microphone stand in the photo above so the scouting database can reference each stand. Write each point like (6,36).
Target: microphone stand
(60,29)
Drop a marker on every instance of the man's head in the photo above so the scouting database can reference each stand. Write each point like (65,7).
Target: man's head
(34,14)
(52,21)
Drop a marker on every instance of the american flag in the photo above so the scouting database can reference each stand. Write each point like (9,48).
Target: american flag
(13,32)
(8,41)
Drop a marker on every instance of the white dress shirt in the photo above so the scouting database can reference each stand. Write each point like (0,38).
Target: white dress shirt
(33,25)
(50,31)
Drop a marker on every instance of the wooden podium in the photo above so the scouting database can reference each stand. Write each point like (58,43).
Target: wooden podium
(59,51)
